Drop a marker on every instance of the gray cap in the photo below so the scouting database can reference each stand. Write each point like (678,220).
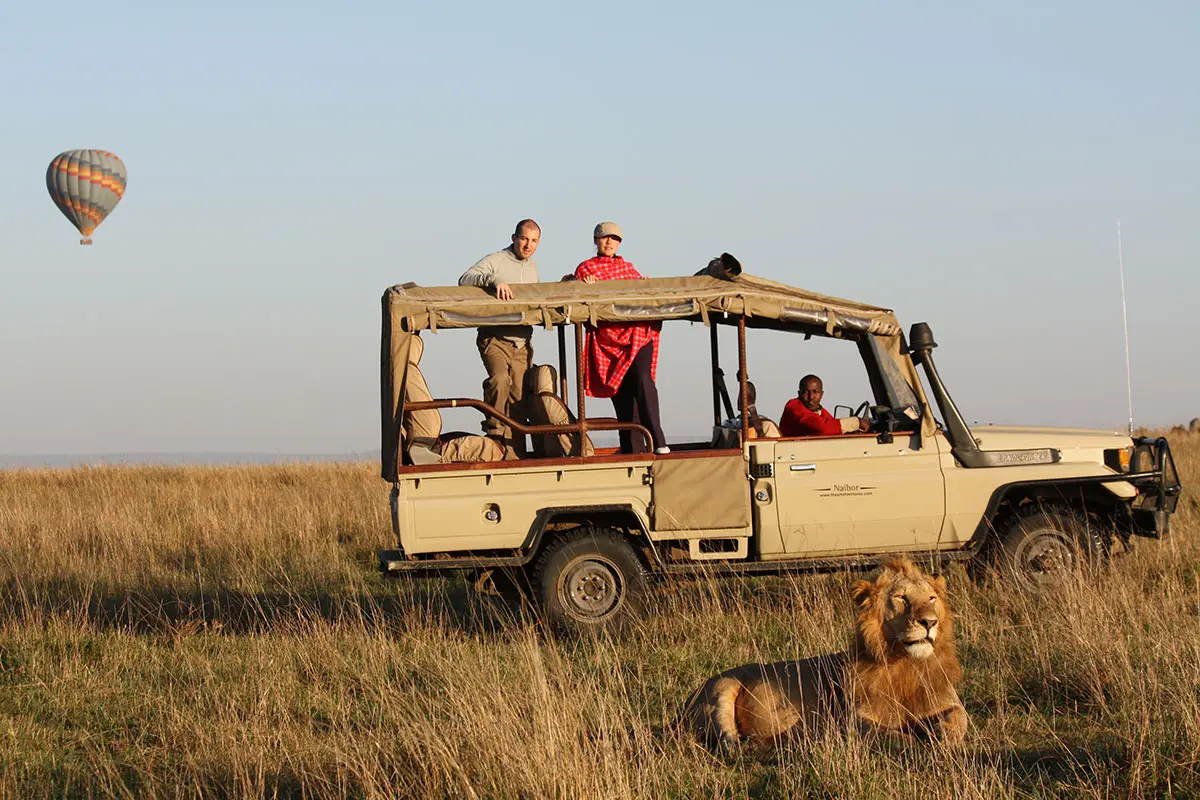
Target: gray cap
(607,229)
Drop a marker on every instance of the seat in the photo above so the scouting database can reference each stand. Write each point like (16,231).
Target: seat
(727,434)
(769,429)
(422,440)
(547,408)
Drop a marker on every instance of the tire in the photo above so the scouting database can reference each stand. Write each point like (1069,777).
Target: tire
(1044,547)
(591,581)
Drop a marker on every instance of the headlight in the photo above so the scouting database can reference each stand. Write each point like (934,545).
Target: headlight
(1119,459)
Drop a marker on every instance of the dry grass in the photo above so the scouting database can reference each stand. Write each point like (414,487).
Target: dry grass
(196,632)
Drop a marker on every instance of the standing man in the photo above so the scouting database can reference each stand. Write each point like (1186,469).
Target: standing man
(622,357)
(506,350)
(804,416)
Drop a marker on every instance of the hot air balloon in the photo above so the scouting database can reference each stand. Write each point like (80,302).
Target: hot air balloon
(86,185)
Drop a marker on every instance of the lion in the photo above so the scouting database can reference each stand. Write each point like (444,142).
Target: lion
(898,678)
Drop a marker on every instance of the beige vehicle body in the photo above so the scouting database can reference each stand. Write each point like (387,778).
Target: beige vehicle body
(918,483)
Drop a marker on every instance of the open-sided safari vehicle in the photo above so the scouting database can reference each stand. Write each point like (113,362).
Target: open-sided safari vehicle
(588,526)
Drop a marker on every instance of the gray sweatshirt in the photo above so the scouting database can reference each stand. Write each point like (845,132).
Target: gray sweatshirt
(502,267)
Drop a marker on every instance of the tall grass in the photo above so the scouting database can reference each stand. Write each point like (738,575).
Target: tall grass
(222,632)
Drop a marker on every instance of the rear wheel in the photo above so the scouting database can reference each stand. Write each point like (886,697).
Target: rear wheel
(592,580)
(1046,546)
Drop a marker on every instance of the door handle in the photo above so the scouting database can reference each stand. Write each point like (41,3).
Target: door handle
(803,467)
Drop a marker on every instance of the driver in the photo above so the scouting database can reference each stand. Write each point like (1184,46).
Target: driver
(804,416)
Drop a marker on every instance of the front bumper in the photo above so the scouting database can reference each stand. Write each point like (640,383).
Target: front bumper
(1158,488)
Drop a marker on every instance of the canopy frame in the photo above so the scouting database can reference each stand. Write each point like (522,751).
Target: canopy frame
(744,301)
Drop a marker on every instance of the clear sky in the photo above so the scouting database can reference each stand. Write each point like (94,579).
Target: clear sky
(288,161)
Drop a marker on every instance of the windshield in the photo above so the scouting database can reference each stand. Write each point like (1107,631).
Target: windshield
(900,395)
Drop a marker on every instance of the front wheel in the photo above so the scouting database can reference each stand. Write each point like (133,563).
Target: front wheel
(1044,547)
(592,580)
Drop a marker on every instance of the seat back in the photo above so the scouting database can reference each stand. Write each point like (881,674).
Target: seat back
(422,430)
(547,408)
(770,429)
(728,434)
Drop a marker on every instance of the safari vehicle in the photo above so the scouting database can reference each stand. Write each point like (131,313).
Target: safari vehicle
(587,527)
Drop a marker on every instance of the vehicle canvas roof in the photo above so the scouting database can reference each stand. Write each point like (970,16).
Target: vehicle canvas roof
(765,303)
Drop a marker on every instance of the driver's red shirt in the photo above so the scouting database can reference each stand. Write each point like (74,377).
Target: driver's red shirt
(799,421)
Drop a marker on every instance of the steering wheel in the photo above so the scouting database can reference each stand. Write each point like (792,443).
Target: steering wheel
(875,415)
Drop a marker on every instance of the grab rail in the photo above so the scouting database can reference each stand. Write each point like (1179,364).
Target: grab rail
(593,423)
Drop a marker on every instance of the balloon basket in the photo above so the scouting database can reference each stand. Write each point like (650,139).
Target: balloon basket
(86,240)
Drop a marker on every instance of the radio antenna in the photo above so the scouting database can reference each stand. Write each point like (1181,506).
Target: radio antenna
(1125,320)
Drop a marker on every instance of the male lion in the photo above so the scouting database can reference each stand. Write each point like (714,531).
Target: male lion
(897,679)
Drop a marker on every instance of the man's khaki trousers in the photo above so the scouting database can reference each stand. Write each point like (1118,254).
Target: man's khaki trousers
(506,362)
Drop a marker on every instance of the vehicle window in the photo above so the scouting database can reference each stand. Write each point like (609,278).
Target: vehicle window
(452,368)
(778,360)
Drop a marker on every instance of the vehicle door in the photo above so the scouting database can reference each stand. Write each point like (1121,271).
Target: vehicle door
(838,494)
(705,491)
(862,492)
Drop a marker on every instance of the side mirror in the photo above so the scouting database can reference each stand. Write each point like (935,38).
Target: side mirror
(842,411)
(920,338)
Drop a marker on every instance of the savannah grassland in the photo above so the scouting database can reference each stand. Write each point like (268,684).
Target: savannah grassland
(223,632)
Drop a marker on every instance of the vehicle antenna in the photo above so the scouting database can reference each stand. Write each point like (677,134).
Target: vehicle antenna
(1125,320)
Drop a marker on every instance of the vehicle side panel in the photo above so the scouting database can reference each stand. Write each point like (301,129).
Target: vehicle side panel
(968,491)
(449,510)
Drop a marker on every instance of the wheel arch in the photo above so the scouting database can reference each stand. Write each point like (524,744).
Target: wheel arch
(1090,495)
(553,523)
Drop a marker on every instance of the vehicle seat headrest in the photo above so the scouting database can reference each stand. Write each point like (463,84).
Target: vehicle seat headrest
(416,349)
(542,379)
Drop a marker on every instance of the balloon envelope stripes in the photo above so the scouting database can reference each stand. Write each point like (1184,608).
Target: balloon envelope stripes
(86,185)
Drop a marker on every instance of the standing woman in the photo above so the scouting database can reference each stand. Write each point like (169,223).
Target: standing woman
(622,357)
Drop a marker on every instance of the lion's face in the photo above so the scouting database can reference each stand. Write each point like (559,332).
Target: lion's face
(902,612)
